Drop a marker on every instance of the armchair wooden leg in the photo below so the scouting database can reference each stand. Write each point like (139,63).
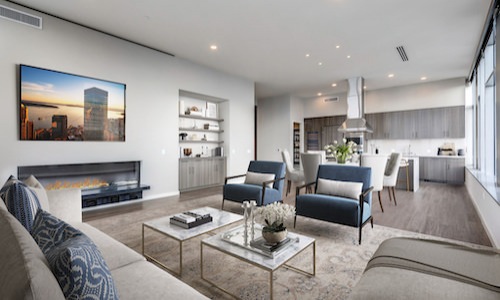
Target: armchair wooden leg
(222,204)
(288,186)
(380,201)
(371,221)
(394,195)
(390,196)
(294,221)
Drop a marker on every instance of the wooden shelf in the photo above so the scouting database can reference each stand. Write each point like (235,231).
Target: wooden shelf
(200,118)
(200,130)
(200,142)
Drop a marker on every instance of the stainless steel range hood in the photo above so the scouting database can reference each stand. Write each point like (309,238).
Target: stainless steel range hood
(355,122)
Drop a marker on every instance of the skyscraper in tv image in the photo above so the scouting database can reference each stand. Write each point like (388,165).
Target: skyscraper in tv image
(95,112)
(60,127)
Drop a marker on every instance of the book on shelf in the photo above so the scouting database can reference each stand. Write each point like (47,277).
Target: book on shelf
(190,219)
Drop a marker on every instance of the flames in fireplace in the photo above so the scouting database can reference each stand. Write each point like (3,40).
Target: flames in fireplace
(86,183)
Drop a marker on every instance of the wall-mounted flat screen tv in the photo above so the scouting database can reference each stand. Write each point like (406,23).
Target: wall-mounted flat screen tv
(58,106)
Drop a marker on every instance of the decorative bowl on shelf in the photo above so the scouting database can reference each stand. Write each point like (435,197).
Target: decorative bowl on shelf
(187,151)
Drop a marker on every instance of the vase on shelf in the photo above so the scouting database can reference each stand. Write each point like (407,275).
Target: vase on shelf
(274,237)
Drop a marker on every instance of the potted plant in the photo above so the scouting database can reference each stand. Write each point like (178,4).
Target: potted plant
(342,152)
(274,216)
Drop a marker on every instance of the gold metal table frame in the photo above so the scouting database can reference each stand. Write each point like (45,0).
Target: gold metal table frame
(162,226)
(270,270)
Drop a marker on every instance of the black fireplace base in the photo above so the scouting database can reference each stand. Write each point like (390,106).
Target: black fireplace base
(100,183)
(107,195)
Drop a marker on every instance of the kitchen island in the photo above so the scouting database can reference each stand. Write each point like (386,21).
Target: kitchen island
(409,175)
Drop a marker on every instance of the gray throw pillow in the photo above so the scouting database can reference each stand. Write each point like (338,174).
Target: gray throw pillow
(347,189)
(259,178)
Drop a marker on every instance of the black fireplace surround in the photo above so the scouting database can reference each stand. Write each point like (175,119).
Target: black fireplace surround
(101,183)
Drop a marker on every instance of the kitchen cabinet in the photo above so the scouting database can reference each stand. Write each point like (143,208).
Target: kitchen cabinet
(444,122)
(455,122)
(201,172)
(455,172)
(443,169)
(322,131)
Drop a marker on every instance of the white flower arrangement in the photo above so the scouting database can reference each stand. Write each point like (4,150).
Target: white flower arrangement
(274,216)
(343,151)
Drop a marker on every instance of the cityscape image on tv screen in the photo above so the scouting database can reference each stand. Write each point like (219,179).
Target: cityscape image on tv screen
(66,107)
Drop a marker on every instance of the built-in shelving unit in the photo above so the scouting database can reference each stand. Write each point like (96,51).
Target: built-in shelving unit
(201,130)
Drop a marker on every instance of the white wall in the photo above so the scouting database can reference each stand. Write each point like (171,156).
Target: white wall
(443,93)
(274,131)
(487,208)
(153,82)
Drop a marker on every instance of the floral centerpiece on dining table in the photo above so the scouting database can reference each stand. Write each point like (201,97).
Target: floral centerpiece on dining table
(274,216)
(342,151)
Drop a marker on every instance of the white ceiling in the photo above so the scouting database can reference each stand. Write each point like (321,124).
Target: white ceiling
(266,41)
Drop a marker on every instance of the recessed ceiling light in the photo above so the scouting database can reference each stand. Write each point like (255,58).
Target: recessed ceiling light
(364,87)
(338,46)
(390,75)
(307,55)
(320,64)
(348,56)
(213,47)
(334,84)
(423,78)
(320,94)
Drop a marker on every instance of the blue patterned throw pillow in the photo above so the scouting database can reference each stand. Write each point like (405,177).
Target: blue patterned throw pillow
(74,259)
(49,231)
(21,201)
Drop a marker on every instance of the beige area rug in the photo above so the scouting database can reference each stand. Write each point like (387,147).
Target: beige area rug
(340,261)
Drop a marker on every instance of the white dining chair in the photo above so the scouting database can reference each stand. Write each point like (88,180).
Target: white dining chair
(310,163)
(391,175)
(292,175)
(377,163)
(320,152)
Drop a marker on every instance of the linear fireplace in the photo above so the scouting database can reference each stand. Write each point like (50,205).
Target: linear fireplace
(101,183)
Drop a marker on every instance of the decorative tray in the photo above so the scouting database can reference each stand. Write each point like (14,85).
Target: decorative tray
(236,236)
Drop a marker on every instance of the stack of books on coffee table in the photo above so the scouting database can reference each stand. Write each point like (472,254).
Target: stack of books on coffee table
(190,219)
(270,249)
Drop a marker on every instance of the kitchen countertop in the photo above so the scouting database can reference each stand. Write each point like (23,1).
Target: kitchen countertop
(443,156)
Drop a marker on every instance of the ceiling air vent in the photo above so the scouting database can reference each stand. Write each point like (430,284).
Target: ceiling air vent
(20,17)
(332,99)
(402,53)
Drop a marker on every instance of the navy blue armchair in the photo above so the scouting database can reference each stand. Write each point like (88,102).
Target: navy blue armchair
(342,195)
(264,182)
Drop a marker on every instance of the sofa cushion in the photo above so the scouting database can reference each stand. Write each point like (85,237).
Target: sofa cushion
(259,178)
(144,280)
(25,272)
(74,259)
(115,253)
(21,201)
(39,190)
(339,188)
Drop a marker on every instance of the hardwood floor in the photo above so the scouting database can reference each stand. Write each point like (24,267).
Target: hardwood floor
(435,209)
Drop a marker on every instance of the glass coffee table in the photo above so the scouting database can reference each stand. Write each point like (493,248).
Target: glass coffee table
(233,243)
(162,225)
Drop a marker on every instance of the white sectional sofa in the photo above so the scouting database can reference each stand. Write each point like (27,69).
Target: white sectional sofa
(25,273)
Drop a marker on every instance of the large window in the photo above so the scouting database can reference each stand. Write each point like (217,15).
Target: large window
(483,111)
